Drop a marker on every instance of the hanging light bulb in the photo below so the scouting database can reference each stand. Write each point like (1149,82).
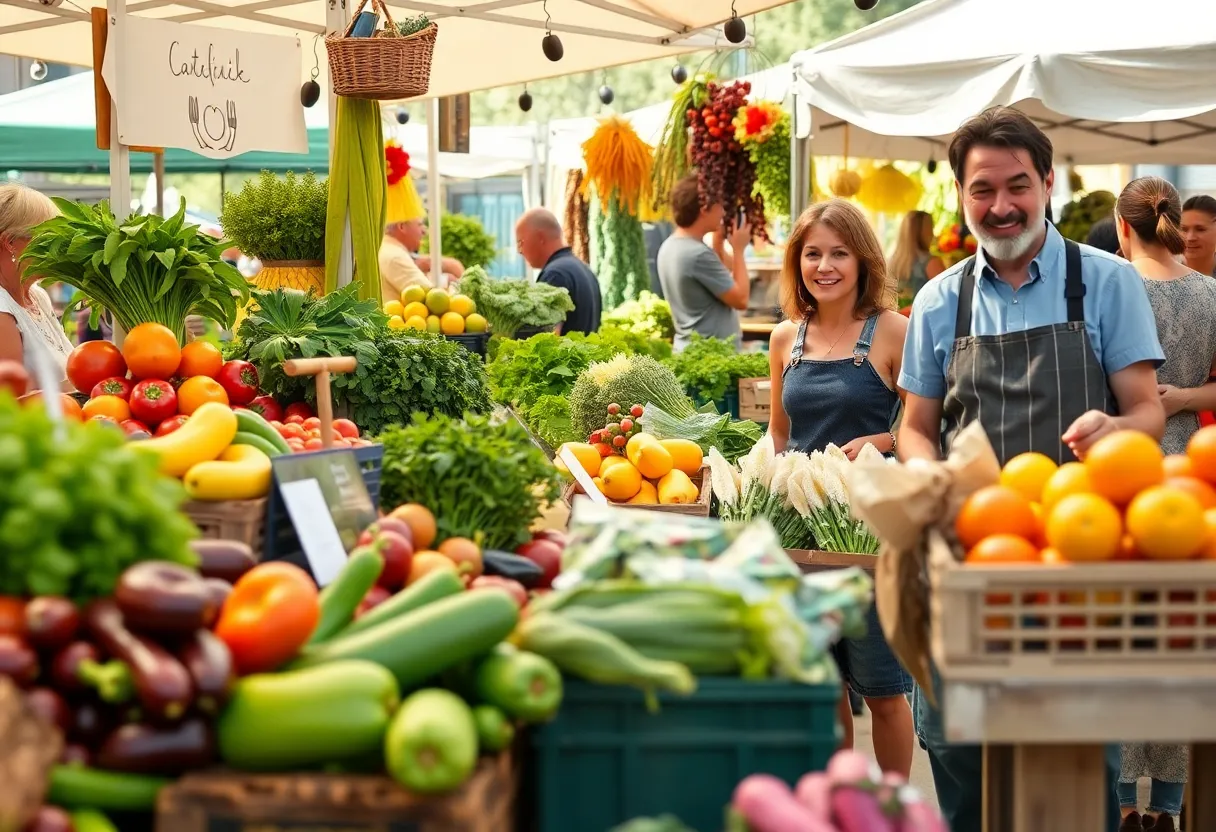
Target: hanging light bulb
(38,70)
(551,44)
(865,5)
(735,30)
(679,74)
(403,115)
(931,166)
(606,94)
(525,101)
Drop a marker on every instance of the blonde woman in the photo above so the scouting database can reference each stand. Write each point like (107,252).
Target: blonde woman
(27,319)
(912,264)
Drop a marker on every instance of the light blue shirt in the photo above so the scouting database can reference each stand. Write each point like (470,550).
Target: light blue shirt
(1118,317)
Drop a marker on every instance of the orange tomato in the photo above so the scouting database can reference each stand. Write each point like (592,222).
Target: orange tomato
(197,391)
(112,407)
(1201,450)
(346,428)
(1070,478)
(1167,524)
(12,616)
(1028,474)
(1000,549)
(200,358)
(314,444)
(1124,463)
(312,423)
(1179,465)
(292,430)
(995,509)
(1197,488)
(71,408)
(294,419)
(151,351)
(426,561)
(1084,527)
(465,554)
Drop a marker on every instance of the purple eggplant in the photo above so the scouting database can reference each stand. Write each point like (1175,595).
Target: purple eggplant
(227,560)
(164,599)
(210,665)
(148,749)
(91,722)
(219,589)
(161,682)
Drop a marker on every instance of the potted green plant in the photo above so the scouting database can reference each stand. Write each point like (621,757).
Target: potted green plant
(465,239)
(281,222)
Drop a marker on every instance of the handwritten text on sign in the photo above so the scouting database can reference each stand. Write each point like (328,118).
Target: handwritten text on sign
(216,92)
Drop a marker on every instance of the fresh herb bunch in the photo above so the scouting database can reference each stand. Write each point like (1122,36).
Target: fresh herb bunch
(481,476)
(288,323)
(465,239)
(276,219)
(78,505)
(413,25)
(412,372)
(628,342)
(618,252)
(144,268)
(549,418)
(509,304)
(772,161)
(710,367)
(648,315)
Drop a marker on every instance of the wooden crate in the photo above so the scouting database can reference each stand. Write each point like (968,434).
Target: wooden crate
(755,400)
(698,509)
(816,560)
(240,520)
(220,802)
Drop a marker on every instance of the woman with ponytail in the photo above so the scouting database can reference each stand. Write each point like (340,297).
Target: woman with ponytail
(1147,218)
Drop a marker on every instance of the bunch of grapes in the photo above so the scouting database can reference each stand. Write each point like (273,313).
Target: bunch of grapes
(620,427)
(725,171)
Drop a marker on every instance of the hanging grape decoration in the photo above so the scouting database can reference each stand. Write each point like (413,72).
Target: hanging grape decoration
(726,174)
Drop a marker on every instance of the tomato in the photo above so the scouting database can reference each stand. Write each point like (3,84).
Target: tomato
(294,419)
(267,408)
(240,381)
(153,401)
(200,358)
(134,426)
(12,616)
(293,431)
(314,444)
(14,378)
(346,428)
(296,445)
(269,616)
(169,425)
(300,409)
(151,351)
(197,391)
(312,423)
(93,362)
(112,407)
(113,386)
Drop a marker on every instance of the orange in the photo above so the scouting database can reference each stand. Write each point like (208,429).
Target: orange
(71,408)
(1028,473)
(1084,527)
(1167,524)
(197,391)
(1179,465)
(465,554)
(1201,450)
(1000,549)
(1069,478)
(112,407)
(994,509)
(1127,549)
(1124,463)
(1052,557)
(200,358)
(421,523)
(1209,549)
(151,351)
(1197,488)
(1040,522)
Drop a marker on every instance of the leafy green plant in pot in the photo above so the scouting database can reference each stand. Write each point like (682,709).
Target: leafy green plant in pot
(281,222)
(464,239)
(144,268)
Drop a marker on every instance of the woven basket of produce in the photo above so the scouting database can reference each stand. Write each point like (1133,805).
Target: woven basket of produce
(389,66)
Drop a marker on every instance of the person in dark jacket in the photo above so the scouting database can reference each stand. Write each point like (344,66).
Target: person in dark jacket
(538,235)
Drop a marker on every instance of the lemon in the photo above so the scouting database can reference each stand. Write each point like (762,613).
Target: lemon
(415,310)
(394,307)
(451,324)
(432,324)
(396,322)
(475,323)
(438,301)
(413,294)
(463,305)
(416,322)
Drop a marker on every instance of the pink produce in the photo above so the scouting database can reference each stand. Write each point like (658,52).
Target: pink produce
(513,588)
(768,805)
(814,791)
(547,555)
(919,816)
(397,552)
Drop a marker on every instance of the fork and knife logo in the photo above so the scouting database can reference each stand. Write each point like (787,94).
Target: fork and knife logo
(213,128)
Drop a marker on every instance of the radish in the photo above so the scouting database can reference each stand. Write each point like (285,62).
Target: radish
(814,791)
(768,805)
(855,806)
(852,768)
(919,816)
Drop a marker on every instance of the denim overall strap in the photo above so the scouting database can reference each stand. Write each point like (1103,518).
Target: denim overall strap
(861,350)
(799,342)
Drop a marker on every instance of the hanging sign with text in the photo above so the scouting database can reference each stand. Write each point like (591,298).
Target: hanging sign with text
(216,92)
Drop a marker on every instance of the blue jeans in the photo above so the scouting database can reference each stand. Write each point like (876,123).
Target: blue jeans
(868,664)
(958,770)
(1164,798)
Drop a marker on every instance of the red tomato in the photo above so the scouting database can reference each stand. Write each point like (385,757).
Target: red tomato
(293,419)
(93,362)
(239,380)
(375,596)
(314,444)
(346,428)
(293,431)
(115,386)
(153,401)
(312,423)
(133,426)
(169,425)
(300,409)
(12,616)
(269,616)
(267,408)
(14,378)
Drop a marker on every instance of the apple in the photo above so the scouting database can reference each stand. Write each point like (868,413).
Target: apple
(397,552)
(547,555)
(386,524)
(375,596)
(513,588)
(553,535)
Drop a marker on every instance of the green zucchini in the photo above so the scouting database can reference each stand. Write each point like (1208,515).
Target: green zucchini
(80,787)
(255,441)
(341,598)
(427,641)
(91,820)
(249,422)
(426,590)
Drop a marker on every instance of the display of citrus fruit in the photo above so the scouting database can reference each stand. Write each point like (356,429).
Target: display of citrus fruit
(433,325)
(151,351)
(1124,463)
(112,407)
(1201,450)
(1084,527)
(1167,523)
(1209,546)
(1070,478)
(1002,549)
(396,322)
(421,523)
(394,307)
(1028,473)
(415,310)
(413,294)
(416,322)
(438,301)
(200,358)
(995,509)
(463,305)
(1197,488)
(197,391)
(1179,465)
(451,324)
(475,323)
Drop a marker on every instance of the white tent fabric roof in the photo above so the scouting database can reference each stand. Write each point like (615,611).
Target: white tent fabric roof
(1112,81)
(480,45)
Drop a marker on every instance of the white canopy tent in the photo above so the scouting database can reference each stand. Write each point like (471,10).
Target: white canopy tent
(1111,81)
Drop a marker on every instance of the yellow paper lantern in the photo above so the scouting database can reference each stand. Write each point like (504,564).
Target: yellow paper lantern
(889,191)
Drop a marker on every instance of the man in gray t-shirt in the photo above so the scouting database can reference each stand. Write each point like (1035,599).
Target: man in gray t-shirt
(705,294)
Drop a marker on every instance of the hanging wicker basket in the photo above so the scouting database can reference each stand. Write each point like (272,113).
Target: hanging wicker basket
(385,67)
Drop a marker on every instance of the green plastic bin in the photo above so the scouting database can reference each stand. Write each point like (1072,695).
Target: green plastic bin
(605,759)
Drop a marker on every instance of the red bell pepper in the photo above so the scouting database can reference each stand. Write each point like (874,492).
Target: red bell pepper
(269,616)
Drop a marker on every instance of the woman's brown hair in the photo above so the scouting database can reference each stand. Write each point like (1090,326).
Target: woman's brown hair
(909,246)
(873,291)
(1152,207)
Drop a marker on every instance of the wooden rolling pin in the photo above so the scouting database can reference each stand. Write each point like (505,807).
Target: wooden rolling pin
(320,369)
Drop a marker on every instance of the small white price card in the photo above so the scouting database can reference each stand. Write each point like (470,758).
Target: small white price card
(315,528)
